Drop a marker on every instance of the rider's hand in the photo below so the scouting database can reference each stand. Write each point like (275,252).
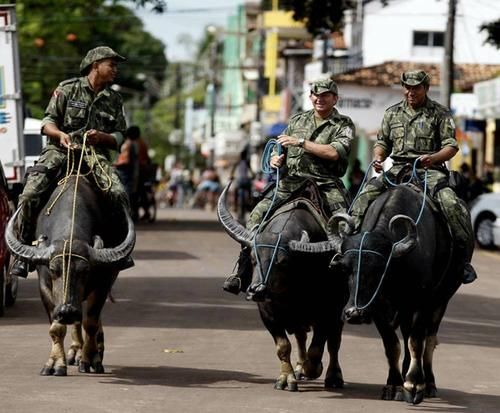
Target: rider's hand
(286,140)
(64,140)
(277,161)
(378,165)
(93,137)
(426,161)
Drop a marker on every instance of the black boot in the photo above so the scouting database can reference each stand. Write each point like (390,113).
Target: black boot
(469,273)
(19,268)
(240,280)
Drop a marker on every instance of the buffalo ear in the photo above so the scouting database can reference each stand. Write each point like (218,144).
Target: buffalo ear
(409,241)
(336,264)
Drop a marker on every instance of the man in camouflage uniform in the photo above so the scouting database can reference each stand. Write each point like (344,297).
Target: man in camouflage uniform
(317,144)
(80,105)
(420,128)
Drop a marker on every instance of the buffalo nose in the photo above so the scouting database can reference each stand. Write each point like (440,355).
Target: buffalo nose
(67,314)
(256,292)
(353,315)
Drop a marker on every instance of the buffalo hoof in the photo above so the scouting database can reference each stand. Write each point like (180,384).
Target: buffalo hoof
(430,390)
(298,373)
(73,358)
(286,382)
(60,371)
(47,371)
(413,397)
(392,392)
(98,368)
(84,367)
(334,382)
(312,371)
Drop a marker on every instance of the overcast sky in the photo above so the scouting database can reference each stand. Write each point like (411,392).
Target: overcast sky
(186,17)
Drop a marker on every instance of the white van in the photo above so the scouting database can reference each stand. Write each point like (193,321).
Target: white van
(34,141)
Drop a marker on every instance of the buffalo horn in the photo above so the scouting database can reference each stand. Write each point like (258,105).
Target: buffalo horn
(409,241)
(334,226)
(235,230)
(28,253)
(107,256)
(334,243)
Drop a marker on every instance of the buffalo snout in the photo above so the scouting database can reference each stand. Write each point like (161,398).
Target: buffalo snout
(355,315)
(67,314)
(256,292)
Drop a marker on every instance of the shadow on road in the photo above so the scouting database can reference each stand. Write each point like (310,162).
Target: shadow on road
(448,400)
(191,302)
(182,377)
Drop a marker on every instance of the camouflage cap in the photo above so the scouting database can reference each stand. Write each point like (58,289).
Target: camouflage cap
(414,78)
(98,53)
(323,86)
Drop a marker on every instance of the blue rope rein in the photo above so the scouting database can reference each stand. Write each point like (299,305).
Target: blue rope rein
(360,251)
(268,169)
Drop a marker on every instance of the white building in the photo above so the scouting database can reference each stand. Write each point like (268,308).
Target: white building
(407,35)
(413,31)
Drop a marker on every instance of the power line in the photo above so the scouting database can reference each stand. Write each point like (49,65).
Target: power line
(83,19)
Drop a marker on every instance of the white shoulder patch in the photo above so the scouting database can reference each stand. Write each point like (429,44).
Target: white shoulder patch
(348,132)
(452,123)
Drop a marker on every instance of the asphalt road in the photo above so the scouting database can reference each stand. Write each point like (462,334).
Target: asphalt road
(175,342)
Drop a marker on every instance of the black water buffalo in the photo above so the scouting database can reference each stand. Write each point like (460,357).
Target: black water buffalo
(72,272)
(299,292)
(404,276)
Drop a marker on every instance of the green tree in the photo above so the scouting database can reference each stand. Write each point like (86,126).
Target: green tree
(53,40)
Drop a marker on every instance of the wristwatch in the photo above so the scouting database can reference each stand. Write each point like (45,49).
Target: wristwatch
(301,142)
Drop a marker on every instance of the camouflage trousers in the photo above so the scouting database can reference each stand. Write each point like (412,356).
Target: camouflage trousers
(41,181)
(333,193)
(453,208)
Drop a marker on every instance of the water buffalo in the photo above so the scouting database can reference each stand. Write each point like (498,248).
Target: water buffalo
(400,274)
(299,293)
(70,273)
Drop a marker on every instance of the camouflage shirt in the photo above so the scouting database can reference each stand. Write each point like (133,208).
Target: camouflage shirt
(337,130)
(409,133)
(75,107)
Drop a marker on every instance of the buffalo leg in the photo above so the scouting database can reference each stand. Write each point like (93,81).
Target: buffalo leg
(430,382)
(414,385)
(313,367)
(75,349)
(301,339)
(90,351)
(334,378)
(286,378)
(431,342)
(56,364)
(393,390)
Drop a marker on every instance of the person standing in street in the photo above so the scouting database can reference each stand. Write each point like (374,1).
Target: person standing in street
(80,108)
(317,144)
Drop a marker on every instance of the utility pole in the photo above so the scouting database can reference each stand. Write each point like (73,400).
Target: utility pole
(213,97)
(177,117)
(447,75)
(324,59)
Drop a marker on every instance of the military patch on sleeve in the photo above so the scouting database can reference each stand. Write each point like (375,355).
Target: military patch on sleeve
(452,123)
(77,104)
(348,132)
